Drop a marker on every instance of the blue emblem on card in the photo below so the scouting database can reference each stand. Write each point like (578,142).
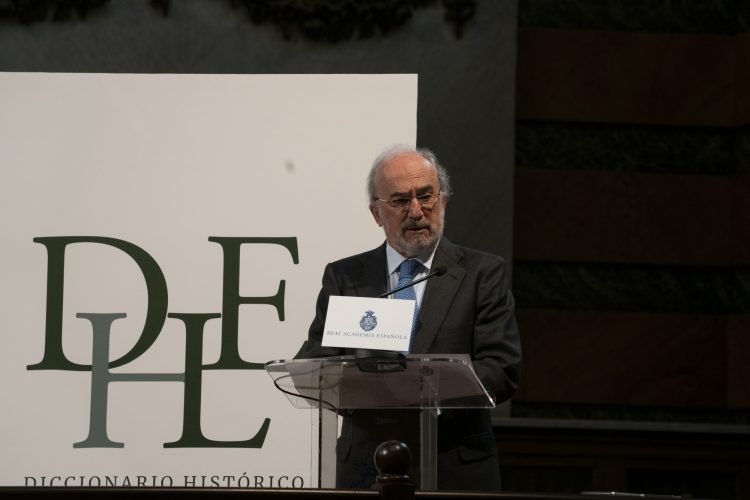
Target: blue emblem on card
(368,321)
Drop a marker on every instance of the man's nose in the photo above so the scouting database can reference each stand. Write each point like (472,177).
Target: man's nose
(415,208)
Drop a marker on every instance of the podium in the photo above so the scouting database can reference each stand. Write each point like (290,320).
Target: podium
(427,383)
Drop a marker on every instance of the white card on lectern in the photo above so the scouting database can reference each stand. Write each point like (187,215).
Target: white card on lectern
(368,323)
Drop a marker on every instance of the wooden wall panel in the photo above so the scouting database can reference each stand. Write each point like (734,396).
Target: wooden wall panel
(632,238)
(623,358)
(634,172)
(740,217)
(600,216)
(742,79)
(615,77)
(738,354)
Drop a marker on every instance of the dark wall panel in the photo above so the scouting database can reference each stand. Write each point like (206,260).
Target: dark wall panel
(624,358)
(594,216)
(738,351)
(631,221)
(606,77)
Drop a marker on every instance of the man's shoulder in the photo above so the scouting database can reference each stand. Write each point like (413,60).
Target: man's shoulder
(360,258)
(467,255)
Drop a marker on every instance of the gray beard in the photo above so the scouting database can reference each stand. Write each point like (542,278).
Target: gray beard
(420,244)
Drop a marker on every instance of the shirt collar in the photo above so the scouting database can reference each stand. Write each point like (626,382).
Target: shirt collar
(395,259)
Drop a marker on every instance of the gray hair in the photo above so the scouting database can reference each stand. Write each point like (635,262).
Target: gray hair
(398,150)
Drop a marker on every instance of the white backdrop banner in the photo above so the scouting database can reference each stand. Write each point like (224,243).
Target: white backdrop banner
(164,236)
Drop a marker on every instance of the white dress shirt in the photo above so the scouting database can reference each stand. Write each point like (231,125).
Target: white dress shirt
(394,261)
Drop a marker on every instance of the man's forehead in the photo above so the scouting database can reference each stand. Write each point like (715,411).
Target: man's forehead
(408,171)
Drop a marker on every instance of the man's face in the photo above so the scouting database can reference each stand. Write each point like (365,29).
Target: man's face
(413,230)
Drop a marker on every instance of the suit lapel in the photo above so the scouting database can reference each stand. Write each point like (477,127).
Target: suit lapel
(371,278)
(438,295)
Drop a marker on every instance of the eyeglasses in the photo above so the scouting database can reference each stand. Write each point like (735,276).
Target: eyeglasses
(426,201)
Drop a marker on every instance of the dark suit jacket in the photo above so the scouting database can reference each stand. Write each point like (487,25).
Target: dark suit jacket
(468,310)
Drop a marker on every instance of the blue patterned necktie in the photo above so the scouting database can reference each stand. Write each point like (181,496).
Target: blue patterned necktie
(406,272)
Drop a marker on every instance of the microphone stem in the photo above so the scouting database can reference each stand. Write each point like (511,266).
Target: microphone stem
(412,283)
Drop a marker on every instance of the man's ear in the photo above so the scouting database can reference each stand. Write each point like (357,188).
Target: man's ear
(375,211)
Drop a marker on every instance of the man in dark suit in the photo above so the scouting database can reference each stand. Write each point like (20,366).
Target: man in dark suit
(467,310)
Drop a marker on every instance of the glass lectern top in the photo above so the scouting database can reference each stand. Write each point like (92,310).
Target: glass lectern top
(338,383)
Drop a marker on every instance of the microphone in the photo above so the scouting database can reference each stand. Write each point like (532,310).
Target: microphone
(438,271)
(376,361)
